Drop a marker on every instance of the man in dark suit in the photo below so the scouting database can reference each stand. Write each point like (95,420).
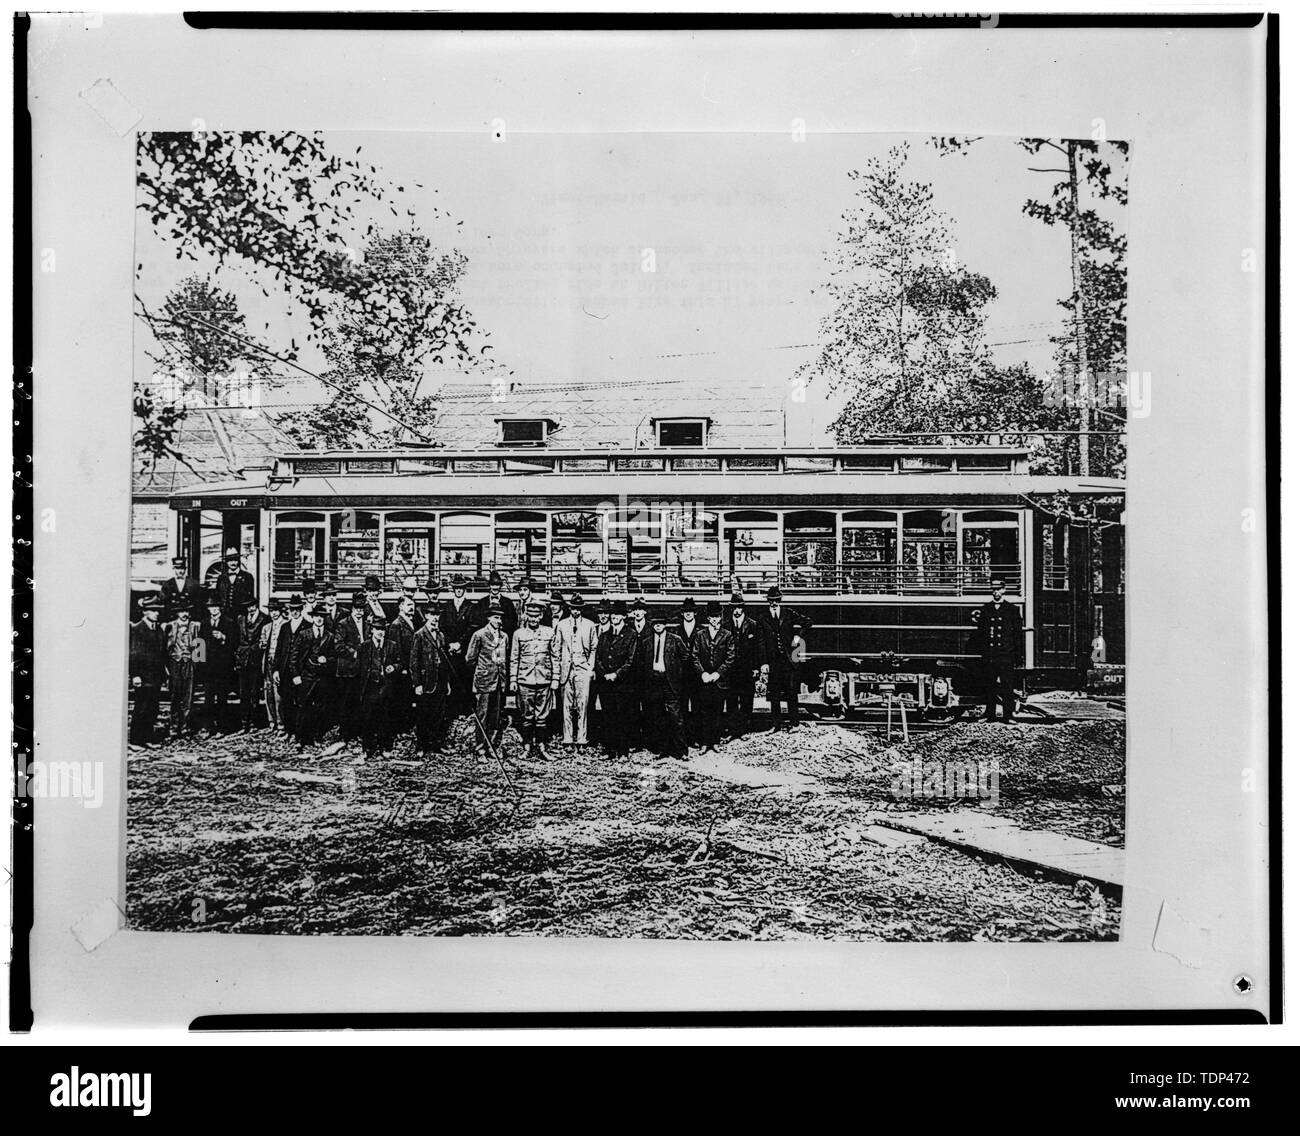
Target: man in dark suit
(401,635)
(378,663)
(687,629)
(777,627)
(509,616)
(313,660)
(428,667)
(179,593)
(640,729)
(248,662)
(713,659)
(234,587)
(740,681)
(999,641)
(148,669)
(616,661)
(663,663)
(220,636)
(457,622)
(350,632)
(282,667)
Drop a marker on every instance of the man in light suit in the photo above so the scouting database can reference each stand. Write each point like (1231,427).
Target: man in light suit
(577,662)
(485,660)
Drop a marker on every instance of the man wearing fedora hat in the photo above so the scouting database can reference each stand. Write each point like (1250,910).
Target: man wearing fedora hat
(687,629)
(313,654)
(457,620)
(509,616)
(220,637)
(147,669)
(283,662)
(350,632)
(576,638)
(182,646)
(248,662)
(616,658)
(713,659)
(485,659)
(234,587)
(778,627)
(739,692)
(270,644)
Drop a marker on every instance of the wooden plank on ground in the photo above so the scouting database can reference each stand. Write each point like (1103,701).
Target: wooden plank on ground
(980,832)
(1075,708)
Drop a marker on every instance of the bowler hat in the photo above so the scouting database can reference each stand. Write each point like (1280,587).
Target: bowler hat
(620,607)
(688,604)
(713,608)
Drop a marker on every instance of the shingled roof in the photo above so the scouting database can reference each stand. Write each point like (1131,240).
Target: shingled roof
(216,443)
(613,414)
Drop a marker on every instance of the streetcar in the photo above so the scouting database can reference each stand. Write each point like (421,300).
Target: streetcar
(887,548)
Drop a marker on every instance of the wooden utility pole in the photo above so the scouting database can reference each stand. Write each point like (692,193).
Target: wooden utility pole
(1083,381)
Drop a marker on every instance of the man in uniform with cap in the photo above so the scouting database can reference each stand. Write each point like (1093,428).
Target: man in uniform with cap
(181,591)
(616,662)
(739,693)
(576,640)
(714,658)
(999,641)
(778,626)
(428,667)
(220,635)
(663,661)
(182,646)
(401,635)
(248,662)
(350,634)
(457,623)
(485,659)
(687,628)
(148,669)
(269,645)
(533,666)
(234,587)
(313,658)
(283,662)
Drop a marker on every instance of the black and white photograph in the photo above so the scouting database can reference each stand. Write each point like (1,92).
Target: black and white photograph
(666,536)
(666,519)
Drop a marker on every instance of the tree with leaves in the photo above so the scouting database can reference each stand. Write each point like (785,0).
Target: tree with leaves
(377,367)
(1088,171)
(285,210)
(907,329)
(201,359)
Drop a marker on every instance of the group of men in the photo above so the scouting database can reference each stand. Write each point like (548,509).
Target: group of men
(627,679)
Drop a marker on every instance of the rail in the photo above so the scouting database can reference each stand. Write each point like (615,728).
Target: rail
(655,578)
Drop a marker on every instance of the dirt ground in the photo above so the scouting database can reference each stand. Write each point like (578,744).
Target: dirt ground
(779,839)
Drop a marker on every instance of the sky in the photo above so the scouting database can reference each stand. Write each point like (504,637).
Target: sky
(559,230)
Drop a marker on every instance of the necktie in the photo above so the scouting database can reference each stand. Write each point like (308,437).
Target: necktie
(776,613)
(659,652)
